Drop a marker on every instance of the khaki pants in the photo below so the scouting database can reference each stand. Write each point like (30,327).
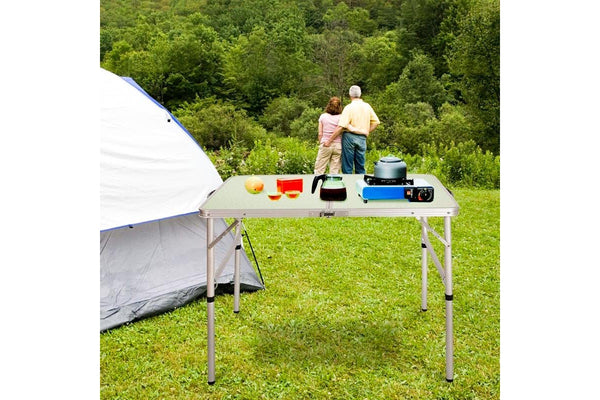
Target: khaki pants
(331,155)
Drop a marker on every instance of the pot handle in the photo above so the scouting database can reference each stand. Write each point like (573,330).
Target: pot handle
(316,181)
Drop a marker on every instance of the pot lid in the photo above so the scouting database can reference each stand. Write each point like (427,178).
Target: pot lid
(390,159)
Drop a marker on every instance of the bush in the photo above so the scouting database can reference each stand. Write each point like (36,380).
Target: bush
(409,126)
(306,127)
(263,159)
(459,165)
(453,125)
(297,156)
(281,113)
(410,138)
(229,161)
(217,124)
(463,164)
(282,156)
(267,157)
(468,165)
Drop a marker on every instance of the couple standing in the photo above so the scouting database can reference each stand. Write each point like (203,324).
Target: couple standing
(355,121)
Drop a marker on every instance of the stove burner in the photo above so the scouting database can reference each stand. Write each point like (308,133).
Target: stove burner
(373,180)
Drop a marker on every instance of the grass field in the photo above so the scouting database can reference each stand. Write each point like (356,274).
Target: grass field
(340,318)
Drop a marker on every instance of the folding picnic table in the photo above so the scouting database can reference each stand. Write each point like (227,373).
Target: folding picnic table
(231,200)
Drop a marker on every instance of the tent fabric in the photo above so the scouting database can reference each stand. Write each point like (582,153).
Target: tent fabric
(156,267)
(151,168)
(153,178)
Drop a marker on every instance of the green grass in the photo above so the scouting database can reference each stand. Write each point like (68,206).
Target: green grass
(340,318)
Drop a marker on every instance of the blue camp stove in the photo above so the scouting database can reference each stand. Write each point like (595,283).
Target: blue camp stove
(374,188)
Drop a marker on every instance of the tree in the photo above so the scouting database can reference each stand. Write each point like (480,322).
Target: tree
(280,61)
(343,17)
(417,83)
(474,59)
(385,13)
(116,58)
(267,63)
(232,18)
(193,63)
(378,62)
(332,52)
(174,65)
(420,27)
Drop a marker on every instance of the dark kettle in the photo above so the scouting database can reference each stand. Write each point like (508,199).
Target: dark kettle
(390,167)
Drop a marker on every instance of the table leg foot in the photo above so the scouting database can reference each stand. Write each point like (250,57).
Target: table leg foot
(449,380)
(423,309)
(211,383)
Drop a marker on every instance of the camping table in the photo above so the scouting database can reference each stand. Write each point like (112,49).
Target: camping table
(231,200)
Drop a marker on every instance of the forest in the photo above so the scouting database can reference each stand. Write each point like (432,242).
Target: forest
(249,78)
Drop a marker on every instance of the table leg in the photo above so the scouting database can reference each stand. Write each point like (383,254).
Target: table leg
(449,299)
(236,271)
(210,300)
(423,266)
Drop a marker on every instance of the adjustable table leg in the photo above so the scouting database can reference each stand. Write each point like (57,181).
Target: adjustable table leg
(210,300)
(449,299)
(423,265)
(236,271)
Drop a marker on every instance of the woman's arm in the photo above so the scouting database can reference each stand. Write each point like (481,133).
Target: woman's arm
(320,131)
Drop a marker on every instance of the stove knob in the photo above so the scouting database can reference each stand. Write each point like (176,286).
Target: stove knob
(424,194)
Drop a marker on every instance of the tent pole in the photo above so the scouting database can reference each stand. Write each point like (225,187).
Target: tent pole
(210,300)
(254,255)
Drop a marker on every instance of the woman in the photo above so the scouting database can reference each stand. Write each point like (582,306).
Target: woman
(329,154)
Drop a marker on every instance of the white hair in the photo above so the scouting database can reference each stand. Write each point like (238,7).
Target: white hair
(354,91)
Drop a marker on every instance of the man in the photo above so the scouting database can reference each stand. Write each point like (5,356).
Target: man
(356,122)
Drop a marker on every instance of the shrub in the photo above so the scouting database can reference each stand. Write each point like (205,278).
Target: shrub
(229,161)
(281,113)
(412,125)
(306,127)
(463,164)
(405,126)
(453,125)
(410,138)
(217,124)
(467,165)
(297,156)
(263,159)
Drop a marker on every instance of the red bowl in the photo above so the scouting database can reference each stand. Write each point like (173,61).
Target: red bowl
(274,195)
(292,194)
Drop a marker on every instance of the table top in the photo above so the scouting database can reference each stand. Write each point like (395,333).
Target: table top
(232,200)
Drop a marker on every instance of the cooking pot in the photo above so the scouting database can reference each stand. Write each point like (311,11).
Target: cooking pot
(390,167)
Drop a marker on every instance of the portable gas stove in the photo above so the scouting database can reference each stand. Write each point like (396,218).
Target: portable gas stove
(375,188)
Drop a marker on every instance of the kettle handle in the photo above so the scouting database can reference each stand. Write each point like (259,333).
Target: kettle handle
(316,181)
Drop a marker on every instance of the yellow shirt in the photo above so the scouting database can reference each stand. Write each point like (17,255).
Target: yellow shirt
(360,115)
